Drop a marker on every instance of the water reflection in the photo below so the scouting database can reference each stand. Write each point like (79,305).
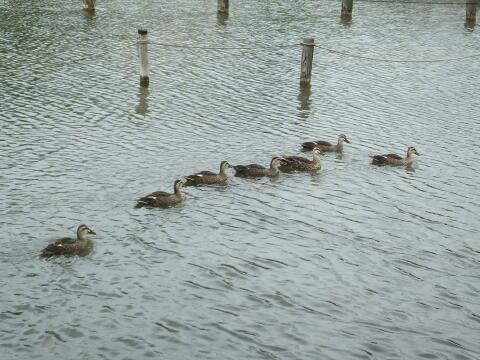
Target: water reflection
(304,101)
(142,106)
(346,20)
(222,19)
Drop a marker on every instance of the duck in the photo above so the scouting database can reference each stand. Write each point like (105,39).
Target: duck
(325,146)
(394,159)
(69,246)
(208,177)
(301,163)
(161,198)
(259,170)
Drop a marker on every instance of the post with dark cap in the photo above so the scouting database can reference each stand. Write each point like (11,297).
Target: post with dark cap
(89,5)
(471,11)
(222,7)
(347,6)
(307,59)
(143,56)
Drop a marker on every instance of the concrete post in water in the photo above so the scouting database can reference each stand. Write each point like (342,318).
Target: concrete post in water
(307,59)
(347,6)
(89,5)
(143,57)
(471,13)
(222,7)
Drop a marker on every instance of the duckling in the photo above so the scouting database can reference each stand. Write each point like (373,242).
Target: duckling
(301,163)
(325,145)
(69,246)
(161,198)
(208,177)
(394,159)
(259,170)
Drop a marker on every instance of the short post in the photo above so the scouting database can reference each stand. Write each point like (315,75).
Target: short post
(222,7)
(471,13)
(347,6)
(143,56)
(307,59)
(89,5)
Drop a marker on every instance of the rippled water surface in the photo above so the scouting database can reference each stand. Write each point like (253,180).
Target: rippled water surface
(352,262)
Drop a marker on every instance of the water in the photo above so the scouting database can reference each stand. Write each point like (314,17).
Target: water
(353,262)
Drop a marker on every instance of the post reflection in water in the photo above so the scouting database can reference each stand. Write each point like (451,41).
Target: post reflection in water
(142,106)
(304,101)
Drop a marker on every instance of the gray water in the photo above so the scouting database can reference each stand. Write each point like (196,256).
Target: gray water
(352,262)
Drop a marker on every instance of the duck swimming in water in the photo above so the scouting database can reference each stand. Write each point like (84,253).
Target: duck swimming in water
(301,163)
(69,246)
(259,170)
(325,146)
(394,159)
(208,177)
(162,198)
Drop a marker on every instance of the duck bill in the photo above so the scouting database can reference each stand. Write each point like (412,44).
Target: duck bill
(347,141)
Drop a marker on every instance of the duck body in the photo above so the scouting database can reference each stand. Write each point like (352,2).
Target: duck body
(162,198)
(208,177)
(69,246)
(394,159)
(325,146)
(259,170)
(301,163)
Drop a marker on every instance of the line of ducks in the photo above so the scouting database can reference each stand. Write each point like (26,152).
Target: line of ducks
(65,246)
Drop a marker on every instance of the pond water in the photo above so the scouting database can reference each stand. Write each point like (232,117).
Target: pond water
(354,261)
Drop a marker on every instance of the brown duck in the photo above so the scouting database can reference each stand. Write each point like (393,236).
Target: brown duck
(394,159)
(259,170)
(69,246)
(301,163)
(325,146)
(208,177)
(162,198)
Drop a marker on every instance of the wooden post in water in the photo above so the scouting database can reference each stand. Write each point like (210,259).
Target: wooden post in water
(143,57)
(89,5)
(471,13)
(307,59)
(222,7)
(347,6)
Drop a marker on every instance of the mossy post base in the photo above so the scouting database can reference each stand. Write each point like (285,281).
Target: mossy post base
(89,5)
(347,6)
(222,7)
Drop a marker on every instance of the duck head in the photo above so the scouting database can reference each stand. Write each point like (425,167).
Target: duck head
(342,138)
(412,150)
(84,230)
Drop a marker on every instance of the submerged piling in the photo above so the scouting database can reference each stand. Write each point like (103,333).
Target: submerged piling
(347,6)
(222,7)
(89,5)
(143,57)
(307,60)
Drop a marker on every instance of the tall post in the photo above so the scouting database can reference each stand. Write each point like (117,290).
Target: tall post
(307,59)
(222,7)
(347,6)
(89,5)
(143,57)
(471,11)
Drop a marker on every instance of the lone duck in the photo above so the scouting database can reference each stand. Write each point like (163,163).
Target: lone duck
(259,170)
(69,246)
(162,198)
(325,146)
(301,163)
(394,159)
(208,177)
